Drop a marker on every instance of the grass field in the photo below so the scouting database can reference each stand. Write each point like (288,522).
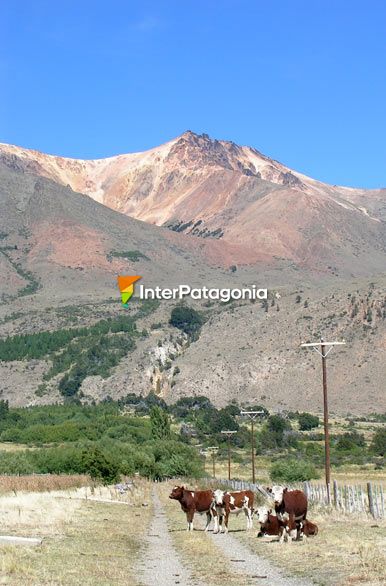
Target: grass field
(347,550)
(42,482)
(84,541)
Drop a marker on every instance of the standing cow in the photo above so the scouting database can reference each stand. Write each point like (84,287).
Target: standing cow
(194,501)
(226,503)
(292,502)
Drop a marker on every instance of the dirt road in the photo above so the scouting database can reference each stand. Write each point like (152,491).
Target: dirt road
(164,563)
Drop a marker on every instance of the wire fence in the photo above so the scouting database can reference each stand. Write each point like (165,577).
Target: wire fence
(367,499)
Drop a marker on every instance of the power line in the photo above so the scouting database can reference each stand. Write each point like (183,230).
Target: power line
(252,416)
(213,450)
(320,348)
(228,434)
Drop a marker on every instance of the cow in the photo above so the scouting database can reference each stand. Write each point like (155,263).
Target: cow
(226,503)
(292,502)
(194,501)
(308,529)
(270,524)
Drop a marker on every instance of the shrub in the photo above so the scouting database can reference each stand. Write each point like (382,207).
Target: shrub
(186,319)
(100,466)
(378,445)
(288,471)
(350,441)
(307,421)
(160,424)
(276,433)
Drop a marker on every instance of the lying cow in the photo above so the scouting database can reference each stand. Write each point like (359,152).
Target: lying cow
(226,503)
(308,529)
(271,524)
(292,502)
(194,501)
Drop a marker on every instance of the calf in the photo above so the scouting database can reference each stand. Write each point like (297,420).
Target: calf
(292,502)
(308,528)
(270,524)
(226,503)
(194,501)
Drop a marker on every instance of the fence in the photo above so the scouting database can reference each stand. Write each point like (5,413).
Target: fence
(347,498)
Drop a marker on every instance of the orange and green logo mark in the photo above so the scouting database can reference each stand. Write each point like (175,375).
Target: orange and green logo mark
(126,287)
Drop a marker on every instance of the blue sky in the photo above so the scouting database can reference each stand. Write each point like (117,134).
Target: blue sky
(304,81)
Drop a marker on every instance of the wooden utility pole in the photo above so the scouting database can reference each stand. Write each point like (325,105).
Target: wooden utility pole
(252,416)
(320,348)
(213,450)
(229,433)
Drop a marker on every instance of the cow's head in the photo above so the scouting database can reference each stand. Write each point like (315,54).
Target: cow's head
(177,493)
(262,514)
(277,494)
(218,497)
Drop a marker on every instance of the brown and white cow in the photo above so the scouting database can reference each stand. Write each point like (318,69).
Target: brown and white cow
(292,502)
(226,503)
(194,501)
(308,529)
(270,524)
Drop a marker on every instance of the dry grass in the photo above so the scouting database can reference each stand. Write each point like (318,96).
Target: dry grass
(348,550)
(359,475)
(42,482)
(212,569)
(84,541)
(13,447)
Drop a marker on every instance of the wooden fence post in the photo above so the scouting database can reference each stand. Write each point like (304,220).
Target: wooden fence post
(335,492)
(382,502)
(371,499)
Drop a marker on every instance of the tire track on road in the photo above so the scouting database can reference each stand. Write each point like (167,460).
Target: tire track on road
(160,563)
(248,562)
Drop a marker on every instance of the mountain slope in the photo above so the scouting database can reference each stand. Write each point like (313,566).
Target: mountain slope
(58,268)
(62,245)
(259,209)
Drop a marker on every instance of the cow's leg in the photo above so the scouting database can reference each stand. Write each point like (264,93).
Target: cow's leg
(208,520)
(283,534)
(292,528)
(226,519)
(221,521)
(249,515)
(189,517)
(216,525)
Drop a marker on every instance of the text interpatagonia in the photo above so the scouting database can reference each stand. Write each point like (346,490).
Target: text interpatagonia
(225,295)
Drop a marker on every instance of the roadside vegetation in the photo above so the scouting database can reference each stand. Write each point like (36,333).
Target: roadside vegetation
(85,542)
(145,435)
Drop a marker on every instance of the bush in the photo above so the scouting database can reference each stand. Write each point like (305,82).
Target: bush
(186,319)
(288,471)
(277,433)
(378,445)
(160,424)
(307,421)
(350,441)
(100,466)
